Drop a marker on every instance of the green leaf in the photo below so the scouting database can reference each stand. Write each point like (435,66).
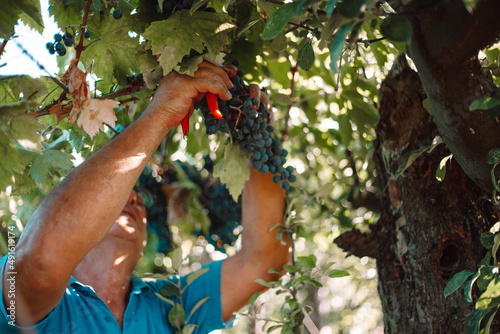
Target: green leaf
(305,57)
(12,11)
(166,300)
(176,316)
(300,280)
(308,262)
(456,281)
(350,9)
(337,46)
(468,287)
(441,171)
(196,5)
(188,329)
(472,322)
(494,249)
(330,7)
(232,170)
(25,130)
(65,14)
(485,103)
(115,52)
(254,298)
(487,321)
(487,240)
(48,162)
(396,28)
(266,284)
(491,297)
(411,156)
(175,37)
(493,156)
(198,304)
(31,8)
(485,261)
(177,259)
(427,106)
(193,276)
(486,275)
(337,273)
(290,268)
(301,6)
(278,20)
(170,290)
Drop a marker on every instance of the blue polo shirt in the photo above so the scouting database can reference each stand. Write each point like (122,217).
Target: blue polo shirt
(81,311)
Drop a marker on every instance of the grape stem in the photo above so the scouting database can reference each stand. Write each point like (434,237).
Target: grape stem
(4,43)
(79,47)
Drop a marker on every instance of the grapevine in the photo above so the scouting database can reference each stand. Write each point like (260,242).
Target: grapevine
(224,213)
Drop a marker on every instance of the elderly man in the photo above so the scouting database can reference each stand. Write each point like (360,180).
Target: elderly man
(75,258)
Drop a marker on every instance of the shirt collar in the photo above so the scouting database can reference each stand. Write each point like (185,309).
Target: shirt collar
(137,284)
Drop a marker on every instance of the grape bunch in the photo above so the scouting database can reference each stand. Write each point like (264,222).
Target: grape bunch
(61,41)
(157,214)
(249,128)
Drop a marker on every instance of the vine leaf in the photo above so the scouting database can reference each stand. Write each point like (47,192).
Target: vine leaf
(12,11)
(174,38)
(305,57)
(49,161)
(232,170)
(115,53)
(95,113)
(337,45)
(278,20)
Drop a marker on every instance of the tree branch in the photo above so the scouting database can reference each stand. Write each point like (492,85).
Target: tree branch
(451,34)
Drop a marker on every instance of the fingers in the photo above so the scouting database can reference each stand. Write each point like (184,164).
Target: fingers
(213,79)
(218,70)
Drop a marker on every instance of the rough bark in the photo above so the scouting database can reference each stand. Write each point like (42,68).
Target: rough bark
(428,230)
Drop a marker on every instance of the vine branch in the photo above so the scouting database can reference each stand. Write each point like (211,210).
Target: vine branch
(79,47)
(4,43)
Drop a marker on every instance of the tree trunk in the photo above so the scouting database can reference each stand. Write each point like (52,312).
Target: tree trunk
(428,230)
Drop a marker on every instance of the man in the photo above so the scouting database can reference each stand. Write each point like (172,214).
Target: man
(75,258)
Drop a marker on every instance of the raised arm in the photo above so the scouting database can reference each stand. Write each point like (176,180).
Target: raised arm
(79,212)
(263,206)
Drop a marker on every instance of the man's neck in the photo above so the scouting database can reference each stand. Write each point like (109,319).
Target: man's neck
(108,269)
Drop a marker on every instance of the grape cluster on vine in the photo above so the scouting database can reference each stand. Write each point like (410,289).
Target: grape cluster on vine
(224,213)
(249,128)
(61,41)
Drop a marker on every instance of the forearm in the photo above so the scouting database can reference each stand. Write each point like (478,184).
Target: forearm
(264,206)
(80,211)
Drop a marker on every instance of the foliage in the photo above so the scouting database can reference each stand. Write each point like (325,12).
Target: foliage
(320,61)
(487,279)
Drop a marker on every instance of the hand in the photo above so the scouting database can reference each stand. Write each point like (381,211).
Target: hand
(177,93)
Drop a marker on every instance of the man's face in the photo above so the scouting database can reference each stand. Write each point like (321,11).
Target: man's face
(131,223)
